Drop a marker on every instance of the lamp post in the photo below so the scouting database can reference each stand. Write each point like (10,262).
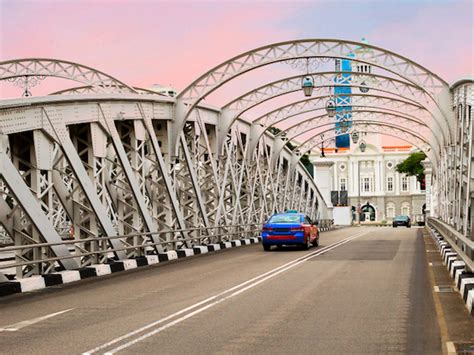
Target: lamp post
(322,146)
(362,147)
(359,207)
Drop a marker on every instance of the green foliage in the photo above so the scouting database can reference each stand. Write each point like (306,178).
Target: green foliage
(412,166)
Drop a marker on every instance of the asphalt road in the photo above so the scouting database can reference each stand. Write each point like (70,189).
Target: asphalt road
(363,290)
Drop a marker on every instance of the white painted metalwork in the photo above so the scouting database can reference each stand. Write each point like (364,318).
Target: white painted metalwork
(111,171)
(42,67)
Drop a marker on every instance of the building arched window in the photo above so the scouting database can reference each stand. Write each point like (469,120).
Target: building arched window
(405,208)
(390,210)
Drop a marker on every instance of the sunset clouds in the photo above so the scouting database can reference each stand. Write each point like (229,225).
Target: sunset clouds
(174,42)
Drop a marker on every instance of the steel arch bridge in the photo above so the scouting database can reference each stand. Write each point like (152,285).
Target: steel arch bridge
(107,170)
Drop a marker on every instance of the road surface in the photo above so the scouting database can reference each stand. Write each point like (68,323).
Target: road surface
(363,290)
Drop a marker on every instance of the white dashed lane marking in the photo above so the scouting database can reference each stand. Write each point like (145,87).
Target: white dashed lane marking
(25,323)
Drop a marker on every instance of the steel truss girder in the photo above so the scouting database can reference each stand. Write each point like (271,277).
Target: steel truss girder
(100,81)
(24,197)
(130,175)
(60,134)
(163,167)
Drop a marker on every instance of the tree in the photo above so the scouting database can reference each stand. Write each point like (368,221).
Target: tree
(412,166)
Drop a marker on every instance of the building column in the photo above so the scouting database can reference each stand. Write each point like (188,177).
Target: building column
(322,176)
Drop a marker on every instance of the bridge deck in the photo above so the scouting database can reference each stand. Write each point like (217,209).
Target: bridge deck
(369,295)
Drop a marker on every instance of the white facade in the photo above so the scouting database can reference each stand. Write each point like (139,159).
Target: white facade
(371,181)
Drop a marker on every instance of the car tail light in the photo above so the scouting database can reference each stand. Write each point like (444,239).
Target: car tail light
(267,228)
(297,229)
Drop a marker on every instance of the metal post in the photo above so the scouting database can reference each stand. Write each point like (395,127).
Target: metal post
(359,207)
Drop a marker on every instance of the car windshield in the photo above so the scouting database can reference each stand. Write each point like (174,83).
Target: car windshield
(401,218)
(285,218)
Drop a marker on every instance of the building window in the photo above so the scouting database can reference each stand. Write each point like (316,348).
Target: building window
(342,184)
(390,210)
(404,183)
(366,184)
(390,184)
(405,208)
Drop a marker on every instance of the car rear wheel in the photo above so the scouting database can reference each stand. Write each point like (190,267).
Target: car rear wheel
(266,247)
(307,245)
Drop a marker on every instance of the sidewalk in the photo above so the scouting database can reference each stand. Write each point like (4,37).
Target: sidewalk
(455,322)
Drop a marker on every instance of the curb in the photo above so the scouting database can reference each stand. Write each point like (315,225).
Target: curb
(463,279)
(39,282)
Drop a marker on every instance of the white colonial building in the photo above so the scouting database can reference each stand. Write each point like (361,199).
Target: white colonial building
(373,185)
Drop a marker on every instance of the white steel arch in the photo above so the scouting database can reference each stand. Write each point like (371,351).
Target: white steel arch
(40,67)
(324,81)
(375,127)
(410,122)
(370,127)
(310,48)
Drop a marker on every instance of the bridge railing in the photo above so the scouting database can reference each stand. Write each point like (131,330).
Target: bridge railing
(461,244)
(325,224)
(134,245)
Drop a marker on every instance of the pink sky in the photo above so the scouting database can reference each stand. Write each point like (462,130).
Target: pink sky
(173,42)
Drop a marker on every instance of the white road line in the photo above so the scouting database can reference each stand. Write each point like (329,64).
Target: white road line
(20,325)
(253,282)
(114,341)
(450,348)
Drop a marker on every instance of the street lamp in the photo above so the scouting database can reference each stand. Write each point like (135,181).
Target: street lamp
(331,108)
(307,85)
(355,137)
(363,88)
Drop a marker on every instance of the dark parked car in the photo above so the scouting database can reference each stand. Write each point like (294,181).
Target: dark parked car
(401,221)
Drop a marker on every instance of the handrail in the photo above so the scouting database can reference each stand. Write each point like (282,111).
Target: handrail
(463,246)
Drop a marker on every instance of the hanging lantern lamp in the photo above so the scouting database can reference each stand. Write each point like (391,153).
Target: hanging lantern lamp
(331,108)
(307,85)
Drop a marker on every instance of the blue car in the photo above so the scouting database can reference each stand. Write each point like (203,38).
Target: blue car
(290,228)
